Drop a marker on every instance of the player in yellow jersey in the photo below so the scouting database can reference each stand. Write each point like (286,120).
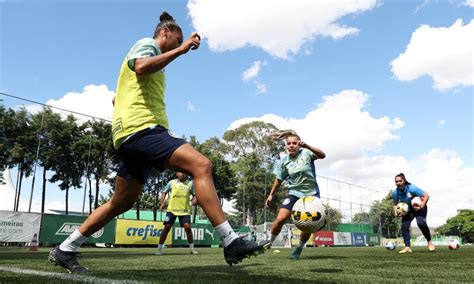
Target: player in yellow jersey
(142,138)
(179,206)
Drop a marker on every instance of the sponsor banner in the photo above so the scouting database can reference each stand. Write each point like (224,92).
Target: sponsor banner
(56,228)
(373,239)
(359,239)
(203,235)
(342,239)
(295,238)
(18,226)
(324,238)
(136,232)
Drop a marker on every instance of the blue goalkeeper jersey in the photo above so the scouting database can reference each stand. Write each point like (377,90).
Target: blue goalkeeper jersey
(406,195)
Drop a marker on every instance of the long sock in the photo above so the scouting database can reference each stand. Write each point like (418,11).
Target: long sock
(226,232)
(160,246)
(273,238)
(191,246)
(302,244)
(73,242)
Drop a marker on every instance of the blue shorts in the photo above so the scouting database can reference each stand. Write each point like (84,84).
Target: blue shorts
(147,148)
(170,218)
(290,201)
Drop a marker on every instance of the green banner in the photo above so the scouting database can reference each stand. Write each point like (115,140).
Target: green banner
(56,228)
(203,235)
(373,240)
(355,228)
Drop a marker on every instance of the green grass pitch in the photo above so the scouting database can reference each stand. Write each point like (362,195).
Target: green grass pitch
(176,265)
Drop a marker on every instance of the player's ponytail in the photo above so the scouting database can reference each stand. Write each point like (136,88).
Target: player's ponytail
(283,134)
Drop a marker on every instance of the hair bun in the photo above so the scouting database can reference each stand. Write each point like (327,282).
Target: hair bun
(166,17)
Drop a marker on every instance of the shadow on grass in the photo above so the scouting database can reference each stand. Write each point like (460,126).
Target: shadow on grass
(324,257)
(204,274)
(326,270)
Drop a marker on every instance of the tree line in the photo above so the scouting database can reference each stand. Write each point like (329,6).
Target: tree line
(73,155)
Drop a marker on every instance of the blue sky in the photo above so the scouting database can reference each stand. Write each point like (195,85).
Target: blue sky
(379,85)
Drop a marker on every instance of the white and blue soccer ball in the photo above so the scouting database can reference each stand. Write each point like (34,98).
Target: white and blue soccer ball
(390,245)
(308,214)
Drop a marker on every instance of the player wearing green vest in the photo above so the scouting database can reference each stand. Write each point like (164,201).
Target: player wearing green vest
(179,206)
(142,138)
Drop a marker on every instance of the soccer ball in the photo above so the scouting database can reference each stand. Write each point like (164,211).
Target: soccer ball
(453,244)
(401,209)
(308,214)
(416,202)
(390,245)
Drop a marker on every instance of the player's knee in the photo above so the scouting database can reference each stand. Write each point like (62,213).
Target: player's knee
(187,227)
(204,167)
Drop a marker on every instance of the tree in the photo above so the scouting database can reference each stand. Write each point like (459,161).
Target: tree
(46,122)
(461,225)
(333,218)
(253,155)
(381,213)
(361,217)
(68,168)
(21,138)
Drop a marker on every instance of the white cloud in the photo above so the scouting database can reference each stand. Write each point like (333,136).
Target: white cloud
(279,27)
(441,122)
(190,106)
(469,3)
(352,140)
(93,100)
(252,71)
(351,132)
(445,54)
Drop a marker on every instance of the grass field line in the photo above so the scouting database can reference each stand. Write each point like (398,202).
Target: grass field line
(68,277)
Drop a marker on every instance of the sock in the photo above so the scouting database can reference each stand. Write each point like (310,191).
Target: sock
(160,246)
(273,238)
(302,244)
(191,246)
(73,242)
(226,233)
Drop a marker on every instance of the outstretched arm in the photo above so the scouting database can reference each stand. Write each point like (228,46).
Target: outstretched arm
(316,151)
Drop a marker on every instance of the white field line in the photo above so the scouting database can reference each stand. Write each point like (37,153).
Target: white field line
(68,277)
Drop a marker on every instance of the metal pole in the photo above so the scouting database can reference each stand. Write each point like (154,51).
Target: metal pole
(87,172)
(36,163)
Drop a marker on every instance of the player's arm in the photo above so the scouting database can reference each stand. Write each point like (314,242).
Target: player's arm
(318,153)
(153,64)
(425,198)
(163,199)
(275,186)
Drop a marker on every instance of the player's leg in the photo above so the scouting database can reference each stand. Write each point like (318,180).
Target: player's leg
(421,222)
(186,224)
(304,237)
(406,221)
(125,195)
(168,224)
(188,160)
(283,215)
(280,220)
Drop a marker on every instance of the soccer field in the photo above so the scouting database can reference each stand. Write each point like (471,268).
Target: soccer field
(139,265)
